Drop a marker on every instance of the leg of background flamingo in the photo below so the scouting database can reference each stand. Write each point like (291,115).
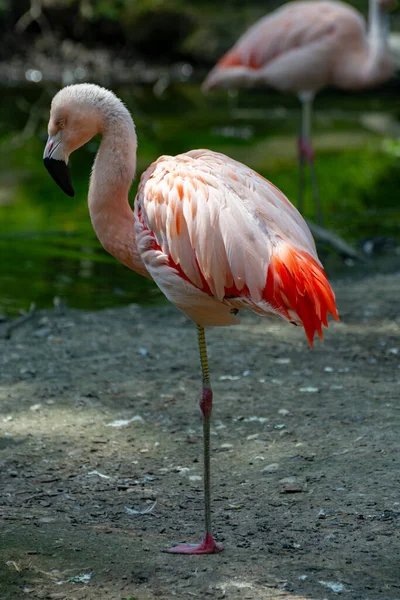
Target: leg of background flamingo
(306,151)
(302,147)
(318,208)
(208,545)
(300,197)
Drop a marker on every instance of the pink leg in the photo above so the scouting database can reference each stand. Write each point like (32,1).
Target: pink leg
(307,155)
(306,151)
(208,545)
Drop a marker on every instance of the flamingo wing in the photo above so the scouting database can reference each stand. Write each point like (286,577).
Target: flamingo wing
(227,231)
(297,36)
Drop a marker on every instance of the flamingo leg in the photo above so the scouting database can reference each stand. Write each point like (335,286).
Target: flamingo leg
(314,183)
(300,197)
(208,545)
(307,155)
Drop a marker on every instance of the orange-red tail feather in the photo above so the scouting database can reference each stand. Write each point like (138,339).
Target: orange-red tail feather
(296,283)
(234,59)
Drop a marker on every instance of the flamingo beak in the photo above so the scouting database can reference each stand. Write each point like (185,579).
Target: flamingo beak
(55,161)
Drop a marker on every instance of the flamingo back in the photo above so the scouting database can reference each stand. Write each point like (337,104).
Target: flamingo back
(292,48)
(206,221)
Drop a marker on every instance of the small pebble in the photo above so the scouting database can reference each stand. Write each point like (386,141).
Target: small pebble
(291,488)
(42,332)
(256,419)
(270,468)
(334,587)
(123,422)
(288,480)
(283,411)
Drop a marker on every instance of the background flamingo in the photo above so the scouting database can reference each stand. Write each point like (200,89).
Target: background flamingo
(215,236)
(303,47)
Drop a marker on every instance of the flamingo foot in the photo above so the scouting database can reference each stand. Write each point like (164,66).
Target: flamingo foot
(306,151)
(207,546)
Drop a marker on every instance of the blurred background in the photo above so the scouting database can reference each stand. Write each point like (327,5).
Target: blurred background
(154,55)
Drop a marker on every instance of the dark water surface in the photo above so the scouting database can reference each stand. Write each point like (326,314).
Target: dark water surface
(47,245)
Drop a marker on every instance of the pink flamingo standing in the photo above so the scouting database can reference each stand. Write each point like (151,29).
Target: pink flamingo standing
(303,47)
(215,236)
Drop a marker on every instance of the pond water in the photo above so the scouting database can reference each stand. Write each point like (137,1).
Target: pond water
(47,246)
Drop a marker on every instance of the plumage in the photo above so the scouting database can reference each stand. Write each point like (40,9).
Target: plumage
(304,46)
(215,236)
(226,231)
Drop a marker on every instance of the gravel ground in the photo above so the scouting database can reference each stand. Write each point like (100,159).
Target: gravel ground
(100,450)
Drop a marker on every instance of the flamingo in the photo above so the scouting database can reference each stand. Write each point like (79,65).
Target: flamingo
(303,47)
(215,236)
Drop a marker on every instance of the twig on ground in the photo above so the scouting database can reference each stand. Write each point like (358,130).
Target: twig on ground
(5,332)
(337,243)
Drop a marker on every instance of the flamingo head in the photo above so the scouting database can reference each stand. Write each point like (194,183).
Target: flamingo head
(74,120)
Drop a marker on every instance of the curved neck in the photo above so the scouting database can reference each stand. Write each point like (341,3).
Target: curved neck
(113,171)
(371,64)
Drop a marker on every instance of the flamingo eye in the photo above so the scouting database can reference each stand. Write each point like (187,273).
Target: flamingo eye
(61,123)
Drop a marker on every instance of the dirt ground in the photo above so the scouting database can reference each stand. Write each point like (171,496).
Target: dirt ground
(99,420)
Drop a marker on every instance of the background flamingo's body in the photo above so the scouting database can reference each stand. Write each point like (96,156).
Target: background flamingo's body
(305,46)
(214,235)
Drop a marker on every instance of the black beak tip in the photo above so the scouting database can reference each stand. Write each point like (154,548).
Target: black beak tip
(59,171)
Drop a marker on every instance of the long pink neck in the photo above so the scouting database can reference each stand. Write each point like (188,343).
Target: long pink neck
(113,171)
(378,67)
(369,63)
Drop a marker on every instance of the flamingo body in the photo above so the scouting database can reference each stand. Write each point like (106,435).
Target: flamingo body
(216,236)
(303,47)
